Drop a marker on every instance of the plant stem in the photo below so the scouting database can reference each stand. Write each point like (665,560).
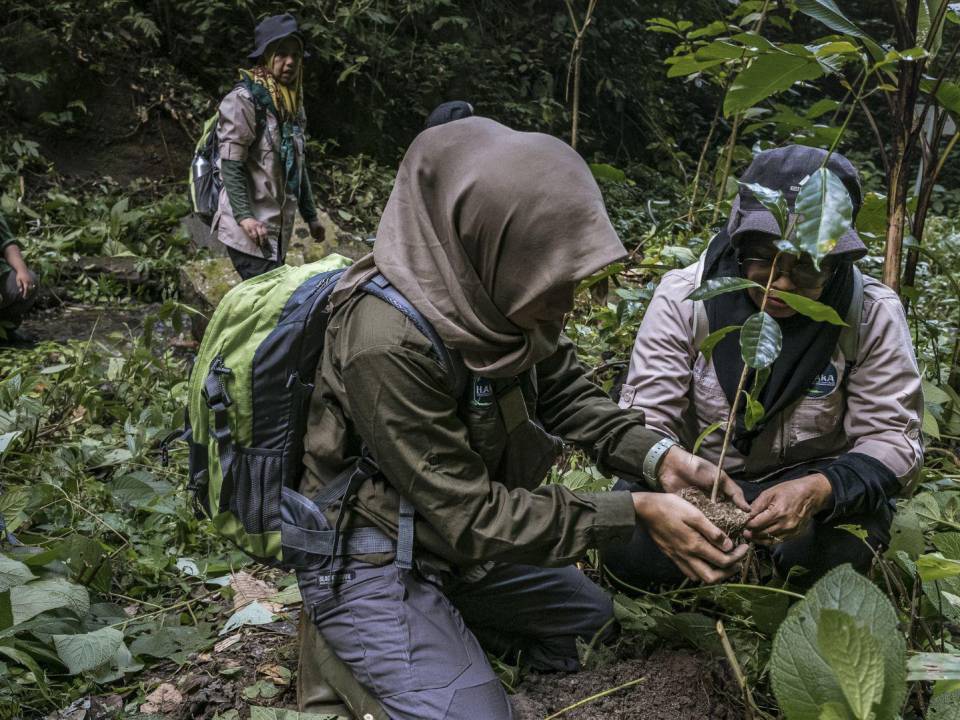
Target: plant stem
(732,418)
(737,670)
(594,697)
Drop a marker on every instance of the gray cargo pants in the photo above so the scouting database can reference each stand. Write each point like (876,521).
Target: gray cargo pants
(413,642)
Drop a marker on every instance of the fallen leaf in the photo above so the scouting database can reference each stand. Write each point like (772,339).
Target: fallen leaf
(225,643)
(165,699)
(247,588)
(277,673)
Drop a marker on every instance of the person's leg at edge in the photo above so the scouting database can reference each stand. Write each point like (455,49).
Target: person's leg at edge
(538,612)
(405,642)
(13,306)
(250,266)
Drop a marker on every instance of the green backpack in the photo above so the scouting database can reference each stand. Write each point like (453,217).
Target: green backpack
(249,395)
(204,178)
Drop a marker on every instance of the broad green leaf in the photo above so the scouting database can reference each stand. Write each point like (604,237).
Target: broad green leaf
(826,213)
(934,566)
(767,75)
(835,711)
(718,286)
(713,339)
(81,653)
(855,657)
(754,412)
(933,666)
(827,12)
(760,340)
(707,431)
(13,573)
(933,394)
(802,678)
(811,308)
(858,531)
(772,200)
(929,424)
(30,600)
(947,543)
(906,534)
(948,94)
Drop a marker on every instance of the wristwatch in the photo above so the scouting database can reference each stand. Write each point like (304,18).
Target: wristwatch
(653,460)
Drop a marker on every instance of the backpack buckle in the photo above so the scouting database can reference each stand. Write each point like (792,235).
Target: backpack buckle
(214,391)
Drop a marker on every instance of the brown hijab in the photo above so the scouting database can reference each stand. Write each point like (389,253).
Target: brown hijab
(486,233)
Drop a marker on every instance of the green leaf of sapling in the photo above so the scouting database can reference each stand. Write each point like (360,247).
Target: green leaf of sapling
(811,308)
(854,656)
(826,214)
(718,286)
(772,200)
(711,341)
(760,341)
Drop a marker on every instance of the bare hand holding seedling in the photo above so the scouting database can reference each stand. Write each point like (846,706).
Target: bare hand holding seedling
(681,469)
(785,509)
(700,549)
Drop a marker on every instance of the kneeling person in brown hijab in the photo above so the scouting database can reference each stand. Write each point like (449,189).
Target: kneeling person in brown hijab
(490,256)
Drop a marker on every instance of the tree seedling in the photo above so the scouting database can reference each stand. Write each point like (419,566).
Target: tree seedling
(824,212)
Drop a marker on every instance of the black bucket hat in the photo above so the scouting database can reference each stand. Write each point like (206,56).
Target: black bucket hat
(784,169)
(448,112)
(271,29)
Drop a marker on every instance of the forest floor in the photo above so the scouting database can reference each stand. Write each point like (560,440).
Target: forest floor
(256,665)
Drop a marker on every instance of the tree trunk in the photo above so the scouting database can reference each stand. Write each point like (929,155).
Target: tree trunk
(898,185)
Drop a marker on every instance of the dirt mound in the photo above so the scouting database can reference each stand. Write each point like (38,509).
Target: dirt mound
(675,685)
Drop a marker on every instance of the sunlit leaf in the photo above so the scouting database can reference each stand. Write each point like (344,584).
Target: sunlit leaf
(826,214)
(767,75)
(718,286)
(934,566)
(760,340)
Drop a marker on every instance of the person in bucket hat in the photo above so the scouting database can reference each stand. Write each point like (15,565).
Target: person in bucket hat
(261,139)
(839,438)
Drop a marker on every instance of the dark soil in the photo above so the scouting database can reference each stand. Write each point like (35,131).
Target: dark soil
(677,685)
(80,322)
(724,514)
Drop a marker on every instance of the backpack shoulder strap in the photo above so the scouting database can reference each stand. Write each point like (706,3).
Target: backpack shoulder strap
(260,106)
(701,326)
(849,341)
(380,287)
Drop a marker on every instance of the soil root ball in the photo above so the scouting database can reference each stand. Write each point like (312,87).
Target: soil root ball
(723,513)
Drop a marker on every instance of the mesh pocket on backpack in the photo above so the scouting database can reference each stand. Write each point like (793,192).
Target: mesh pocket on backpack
(256,495)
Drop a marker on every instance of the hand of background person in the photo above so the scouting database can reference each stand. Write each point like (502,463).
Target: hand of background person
(681,469)
(317,231)
(695,545)
(24,283)
(256,231)
(783,510)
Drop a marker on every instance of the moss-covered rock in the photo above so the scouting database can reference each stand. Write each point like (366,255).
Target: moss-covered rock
(203,283)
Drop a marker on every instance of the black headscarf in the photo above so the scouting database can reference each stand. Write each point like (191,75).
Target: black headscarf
(808,345)
(448,112)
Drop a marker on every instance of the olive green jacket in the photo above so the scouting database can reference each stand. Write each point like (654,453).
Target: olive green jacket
(471,466)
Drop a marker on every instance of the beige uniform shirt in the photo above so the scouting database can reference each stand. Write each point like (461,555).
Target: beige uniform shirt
(877,410)
(269,200)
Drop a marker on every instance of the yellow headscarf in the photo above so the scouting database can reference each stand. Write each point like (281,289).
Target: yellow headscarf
(288,99)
